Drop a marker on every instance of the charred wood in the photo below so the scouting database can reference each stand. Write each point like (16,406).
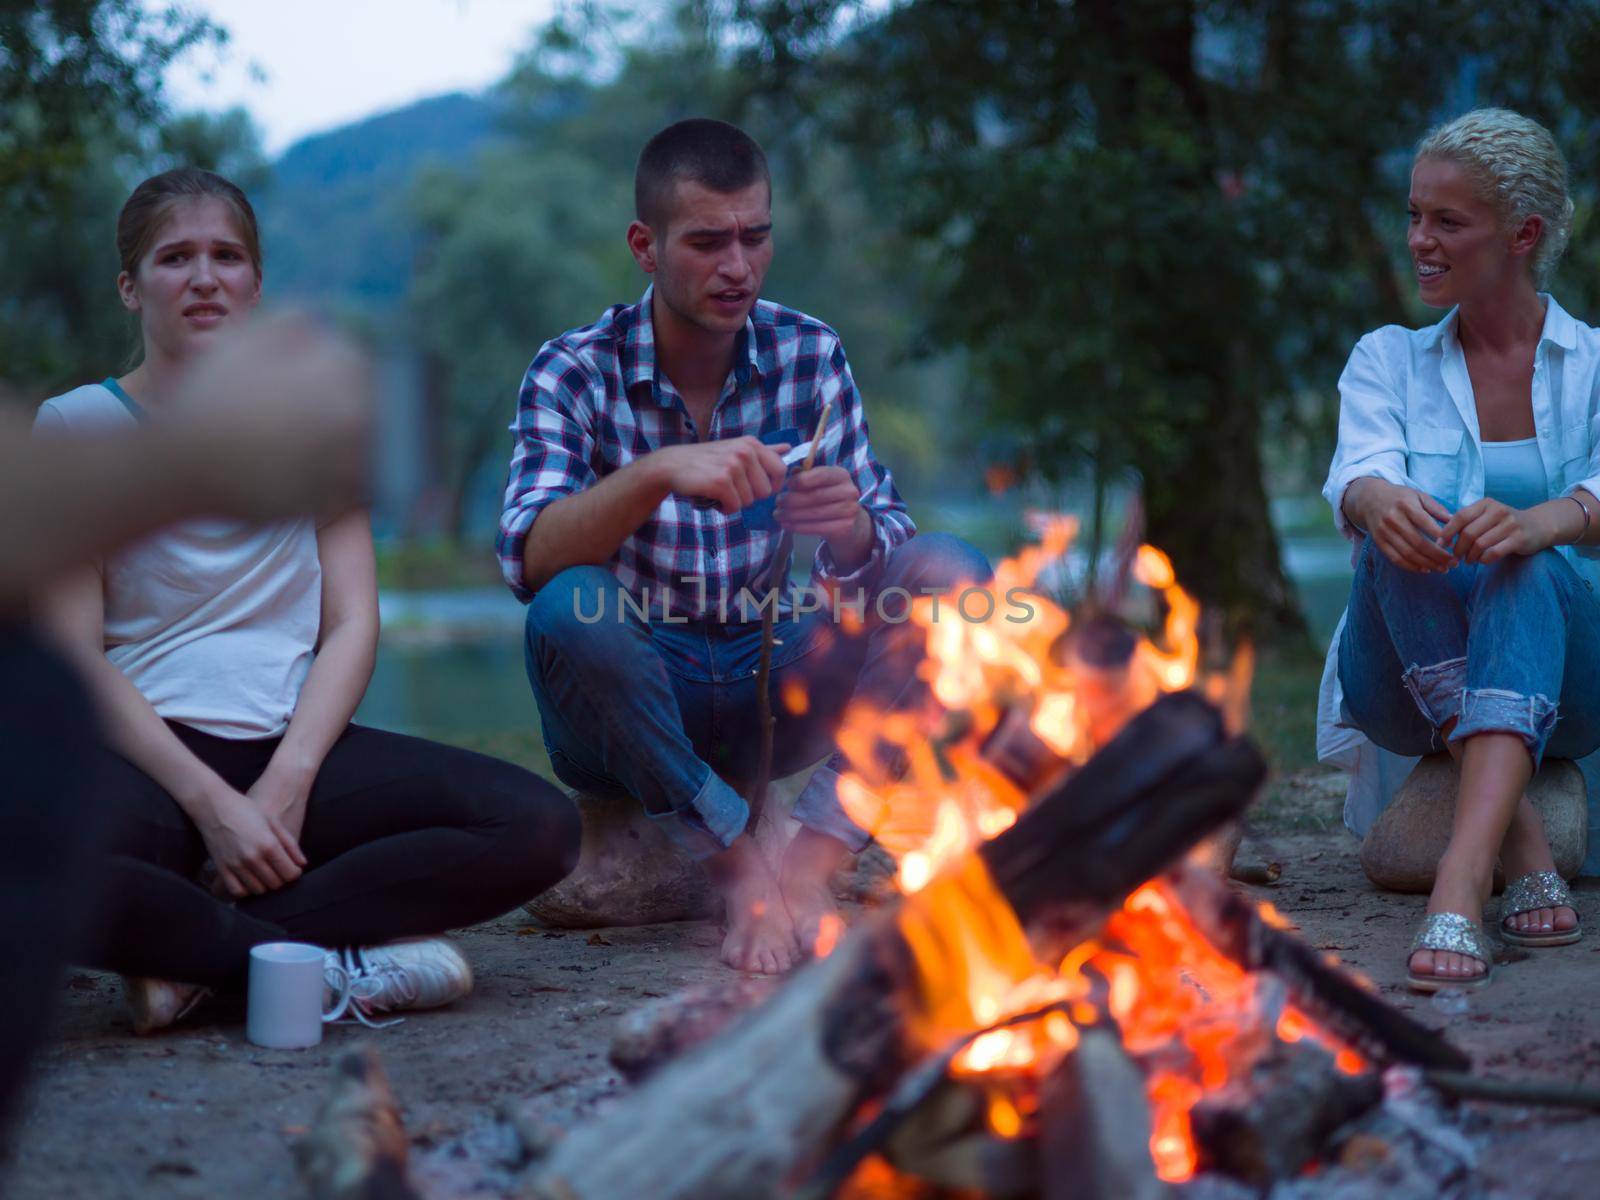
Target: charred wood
(1232,923)
(1166,780)
(1268,1125)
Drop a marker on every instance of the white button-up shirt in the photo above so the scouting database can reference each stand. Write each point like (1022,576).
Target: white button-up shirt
(1407,415)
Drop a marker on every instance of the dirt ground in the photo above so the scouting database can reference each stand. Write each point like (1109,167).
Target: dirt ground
(200,1112)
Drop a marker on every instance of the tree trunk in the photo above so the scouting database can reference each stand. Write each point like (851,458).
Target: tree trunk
(1206,503)
(1207,508)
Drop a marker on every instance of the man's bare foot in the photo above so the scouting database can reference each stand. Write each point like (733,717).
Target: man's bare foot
(808,864)
(760,933)
(1525,850)
(1454,890)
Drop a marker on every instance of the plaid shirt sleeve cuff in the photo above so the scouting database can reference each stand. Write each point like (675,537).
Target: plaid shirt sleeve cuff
(889,529)
(512,541)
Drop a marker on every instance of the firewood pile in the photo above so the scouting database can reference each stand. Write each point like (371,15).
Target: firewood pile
(870,1069)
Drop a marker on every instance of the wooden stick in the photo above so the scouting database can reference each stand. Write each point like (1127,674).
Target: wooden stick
(1234,926)
(816,434)
(1464,1086)
(1256,872)
(778,574)
(766,721)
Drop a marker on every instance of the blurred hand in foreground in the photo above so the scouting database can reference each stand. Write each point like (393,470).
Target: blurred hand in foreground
(279,420)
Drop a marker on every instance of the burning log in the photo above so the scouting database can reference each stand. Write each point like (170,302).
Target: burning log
(940,1145)
(947,1142)
(1233,924)
(1268,1125)
(1094,1126)
(737,1115)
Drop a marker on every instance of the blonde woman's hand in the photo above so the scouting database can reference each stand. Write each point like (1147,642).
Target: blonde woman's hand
(1406,525)
(1487,531)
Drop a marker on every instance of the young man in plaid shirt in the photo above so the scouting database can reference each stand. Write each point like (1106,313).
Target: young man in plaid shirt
(646,497)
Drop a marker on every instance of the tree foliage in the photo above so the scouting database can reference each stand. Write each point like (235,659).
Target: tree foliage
(83,116)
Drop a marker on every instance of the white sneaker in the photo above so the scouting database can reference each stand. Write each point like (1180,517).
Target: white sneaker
(415,973)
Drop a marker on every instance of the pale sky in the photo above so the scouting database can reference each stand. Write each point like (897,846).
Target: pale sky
(328,62)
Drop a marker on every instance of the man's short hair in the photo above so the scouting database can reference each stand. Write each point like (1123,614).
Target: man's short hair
(715,154)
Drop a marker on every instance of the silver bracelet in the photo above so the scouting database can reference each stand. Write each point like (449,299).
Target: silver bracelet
(1584,532)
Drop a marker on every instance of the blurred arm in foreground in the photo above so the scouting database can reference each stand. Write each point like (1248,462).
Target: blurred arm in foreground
(274,422)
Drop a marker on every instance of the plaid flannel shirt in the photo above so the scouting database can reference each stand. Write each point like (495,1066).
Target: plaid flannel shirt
(593,401)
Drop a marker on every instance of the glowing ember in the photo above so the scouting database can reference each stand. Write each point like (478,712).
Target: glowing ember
(795,698)
(828,930)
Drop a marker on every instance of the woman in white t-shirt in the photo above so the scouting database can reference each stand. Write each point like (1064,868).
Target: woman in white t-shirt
(1468,470)
(227,658)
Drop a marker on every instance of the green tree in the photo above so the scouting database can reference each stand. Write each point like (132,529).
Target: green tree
(82,115)
(523,246)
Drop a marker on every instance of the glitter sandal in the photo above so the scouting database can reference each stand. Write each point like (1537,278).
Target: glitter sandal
(1453,934)
(1536,890)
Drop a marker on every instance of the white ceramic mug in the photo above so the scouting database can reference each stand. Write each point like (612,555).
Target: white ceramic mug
(286,988)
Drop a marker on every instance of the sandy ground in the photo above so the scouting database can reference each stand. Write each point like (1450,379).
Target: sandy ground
(200,1112)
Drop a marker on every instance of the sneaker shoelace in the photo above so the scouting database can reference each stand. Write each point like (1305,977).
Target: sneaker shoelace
(354,982)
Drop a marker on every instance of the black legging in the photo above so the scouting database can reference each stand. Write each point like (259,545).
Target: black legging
(402,837)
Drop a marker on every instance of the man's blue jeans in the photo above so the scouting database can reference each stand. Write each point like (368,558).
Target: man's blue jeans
(667,711)
(1510,647)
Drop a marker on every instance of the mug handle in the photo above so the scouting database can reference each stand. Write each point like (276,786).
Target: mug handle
(343,990)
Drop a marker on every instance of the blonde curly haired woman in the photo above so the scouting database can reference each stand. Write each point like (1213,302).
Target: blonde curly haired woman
(1468,471)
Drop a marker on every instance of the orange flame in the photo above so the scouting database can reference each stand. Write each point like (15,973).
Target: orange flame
(829,927)
(1189,1012)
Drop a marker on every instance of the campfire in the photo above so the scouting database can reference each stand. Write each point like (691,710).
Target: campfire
(1061,1000)
(1194,1016)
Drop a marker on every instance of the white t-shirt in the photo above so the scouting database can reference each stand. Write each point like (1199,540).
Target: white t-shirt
(214,620)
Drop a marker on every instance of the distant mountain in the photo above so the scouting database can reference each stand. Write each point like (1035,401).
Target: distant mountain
(332,221)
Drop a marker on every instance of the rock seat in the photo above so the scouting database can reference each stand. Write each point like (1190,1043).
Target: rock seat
(1403,846)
